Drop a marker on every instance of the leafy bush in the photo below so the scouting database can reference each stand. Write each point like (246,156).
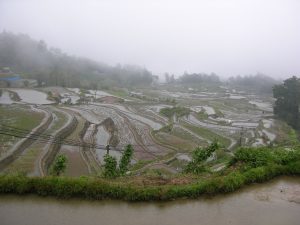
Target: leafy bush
(276,162)
(59,165)
(110,163)
(254,157)
(257,157)
(110,166)
(283,157)
(125,159)
(178,111)
(199,156)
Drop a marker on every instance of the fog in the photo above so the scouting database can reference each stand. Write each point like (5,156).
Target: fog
(226,37)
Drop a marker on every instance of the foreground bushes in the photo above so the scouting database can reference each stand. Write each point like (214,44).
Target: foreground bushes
(278,163)
(91,188)
(263,156)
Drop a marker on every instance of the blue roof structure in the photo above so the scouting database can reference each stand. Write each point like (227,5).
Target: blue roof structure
(10,78)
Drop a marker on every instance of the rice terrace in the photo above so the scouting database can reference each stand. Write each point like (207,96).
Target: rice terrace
(162,112)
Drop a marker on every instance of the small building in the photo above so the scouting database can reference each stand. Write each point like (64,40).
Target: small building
(10,79)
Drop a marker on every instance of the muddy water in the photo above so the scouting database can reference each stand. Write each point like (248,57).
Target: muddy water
(32,96)
(102,138)
(276,203)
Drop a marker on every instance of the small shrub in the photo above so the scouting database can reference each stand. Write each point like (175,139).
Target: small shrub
(199,156)
(253,157)
(125,159)
(110,166)
(59,165)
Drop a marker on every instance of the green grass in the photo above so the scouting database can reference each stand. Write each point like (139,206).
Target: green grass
(25,162)
(176,142)
(118,93)
(91,188)
(293,136)
(201,115)
(207,134)
(140,164)
(18,116)
(272,163)
(178,111)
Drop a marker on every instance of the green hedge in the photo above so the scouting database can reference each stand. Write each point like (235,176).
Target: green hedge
(91,188)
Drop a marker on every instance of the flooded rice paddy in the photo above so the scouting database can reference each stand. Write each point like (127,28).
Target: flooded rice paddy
(32,96)
(234,118)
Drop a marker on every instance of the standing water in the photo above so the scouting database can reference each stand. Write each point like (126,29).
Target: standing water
(276,203)
(102,139)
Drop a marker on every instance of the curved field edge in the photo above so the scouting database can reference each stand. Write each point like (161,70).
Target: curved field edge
(98,189)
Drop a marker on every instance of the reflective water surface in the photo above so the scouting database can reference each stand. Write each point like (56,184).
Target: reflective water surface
(276,203)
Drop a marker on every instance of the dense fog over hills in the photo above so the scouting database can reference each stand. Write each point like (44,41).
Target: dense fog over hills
(34,59)
(149,101)
(50,66)
(228,38)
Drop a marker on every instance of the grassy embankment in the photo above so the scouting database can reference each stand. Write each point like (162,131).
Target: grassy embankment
(25,163)
(250,165)
(20,117)
(207,134)
(175,136)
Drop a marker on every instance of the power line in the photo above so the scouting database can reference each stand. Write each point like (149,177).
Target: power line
(50,139)
(42,134)
(38,137)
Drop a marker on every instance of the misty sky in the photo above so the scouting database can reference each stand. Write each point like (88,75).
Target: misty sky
(228,37)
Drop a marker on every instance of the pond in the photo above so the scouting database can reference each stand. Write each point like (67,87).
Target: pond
(276,202)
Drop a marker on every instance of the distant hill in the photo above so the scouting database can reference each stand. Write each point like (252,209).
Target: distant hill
(259,83)
(34,59)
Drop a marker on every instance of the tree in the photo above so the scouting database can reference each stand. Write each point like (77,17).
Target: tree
(110,163)
(172,79)
(167,77)
(125,159)
(110,166)
(26,83)
(59,165)
(288,101)
(199,156)
(50,66)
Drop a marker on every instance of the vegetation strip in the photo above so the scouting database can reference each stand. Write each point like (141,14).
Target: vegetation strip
(98,189)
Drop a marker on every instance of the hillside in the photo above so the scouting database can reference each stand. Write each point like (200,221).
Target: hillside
(34,59)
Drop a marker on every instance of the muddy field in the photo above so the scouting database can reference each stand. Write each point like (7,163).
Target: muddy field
(160,142)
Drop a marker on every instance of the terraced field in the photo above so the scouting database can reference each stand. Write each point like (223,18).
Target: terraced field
(17,116)
(29,161)
(81,129)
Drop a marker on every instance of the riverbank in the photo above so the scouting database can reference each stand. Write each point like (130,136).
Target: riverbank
(269,203)
(99,189)
(249,165)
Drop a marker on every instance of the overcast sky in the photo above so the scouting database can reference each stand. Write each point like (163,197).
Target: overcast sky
(228,37)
